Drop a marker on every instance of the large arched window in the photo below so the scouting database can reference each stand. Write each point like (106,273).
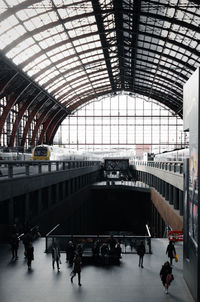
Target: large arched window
(122,122)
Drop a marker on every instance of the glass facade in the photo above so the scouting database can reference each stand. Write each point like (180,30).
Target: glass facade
(122,122)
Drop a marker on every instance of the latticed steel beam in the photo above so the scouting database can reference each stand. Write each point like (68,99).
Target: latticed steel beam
(120,38)
(104,42)
(134,42)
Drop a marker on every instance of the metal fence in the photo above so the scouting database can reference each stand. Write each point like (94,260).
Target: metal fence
(128,243)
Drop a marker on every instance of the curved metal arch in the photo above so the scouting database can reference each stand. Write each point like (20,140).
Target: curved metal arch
(163,85)
(166,87)
(172,42)
(73,69)
(74,106)
(54,123)
(77,79)
(11,102)
(160,98)
(64,66)
(82,85)
(41,119)
(43,28)
(145,68)
(18,7)
(171,20)
(65,60)
(48,49)
(53,133)
(26,105)
(68,102)
(52,115)
(36,108)
(185,64)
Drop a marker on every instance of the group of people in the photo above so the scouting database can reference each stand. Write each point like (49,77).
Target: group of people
(73,257)
(166,270)
(27,240)
(107,250)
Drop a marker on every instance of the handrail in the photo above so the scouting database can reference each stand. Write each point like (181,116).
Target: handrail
(52,230)
(12,168)
(92,237)
(172,166)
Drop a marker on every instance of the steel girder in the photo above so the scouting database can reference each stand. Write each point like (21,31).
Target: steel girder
(147,46)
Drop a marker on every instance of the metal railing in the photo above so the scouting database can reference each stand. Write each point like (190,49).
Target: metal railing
(176,167)
(128,243)
(16,168)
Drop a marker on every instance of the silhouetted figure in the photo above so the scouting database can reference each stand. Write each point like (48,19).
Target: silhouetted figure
(55,256)
(76,268)
(27,239)
(141,251)
(70,250)
(112,244)
(29,255)
(79,250)
(14,242)
(171,251)
(118,250)
(166,275)
(96,249)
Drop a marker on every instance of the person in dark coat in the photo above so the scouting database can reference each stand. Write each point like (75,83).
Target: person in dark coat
(70,250)
(118,250)
(166,275)
(141,251)
(14,242)
(29,255)
(76,268)
(27,239)
(171,251)
(55,256)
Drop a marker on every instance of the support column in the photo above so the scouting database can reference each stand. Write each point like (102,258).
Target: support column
(171,194)
(40,206)
(27,208)
(181,202)
(11,211)
(49,197)
(166,191)
(163,188)
(175,198)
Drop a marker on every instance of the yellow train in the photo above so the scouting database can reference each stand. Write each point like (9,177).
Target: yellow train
(46,152)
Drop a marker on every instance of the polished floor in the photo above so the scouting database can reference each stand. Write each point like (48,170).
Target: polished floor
(124,283)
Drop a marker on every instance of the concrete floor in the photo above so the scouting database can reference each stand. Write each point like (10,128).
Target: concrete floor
(124,283)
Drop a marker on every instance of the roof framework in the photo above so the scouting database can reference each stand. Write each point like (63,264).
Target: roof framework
(56,55)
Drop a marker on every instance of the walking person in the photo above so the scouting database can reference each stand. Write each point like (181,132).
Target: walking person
(76,268)
(141,251)
(14,242)
(171,251)
(29,255)
(70,250)
(55,256)
(27,239)
(166,275)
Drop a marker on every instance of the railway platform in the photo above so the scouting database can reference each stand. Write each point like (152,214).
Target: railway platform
(125,282)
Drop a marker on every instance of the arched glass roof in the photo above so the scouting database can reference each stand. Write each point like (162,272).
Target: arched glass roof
(80,50)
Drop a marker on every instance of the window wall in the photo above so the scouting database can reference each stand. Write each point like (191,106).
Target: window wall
(122,122)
